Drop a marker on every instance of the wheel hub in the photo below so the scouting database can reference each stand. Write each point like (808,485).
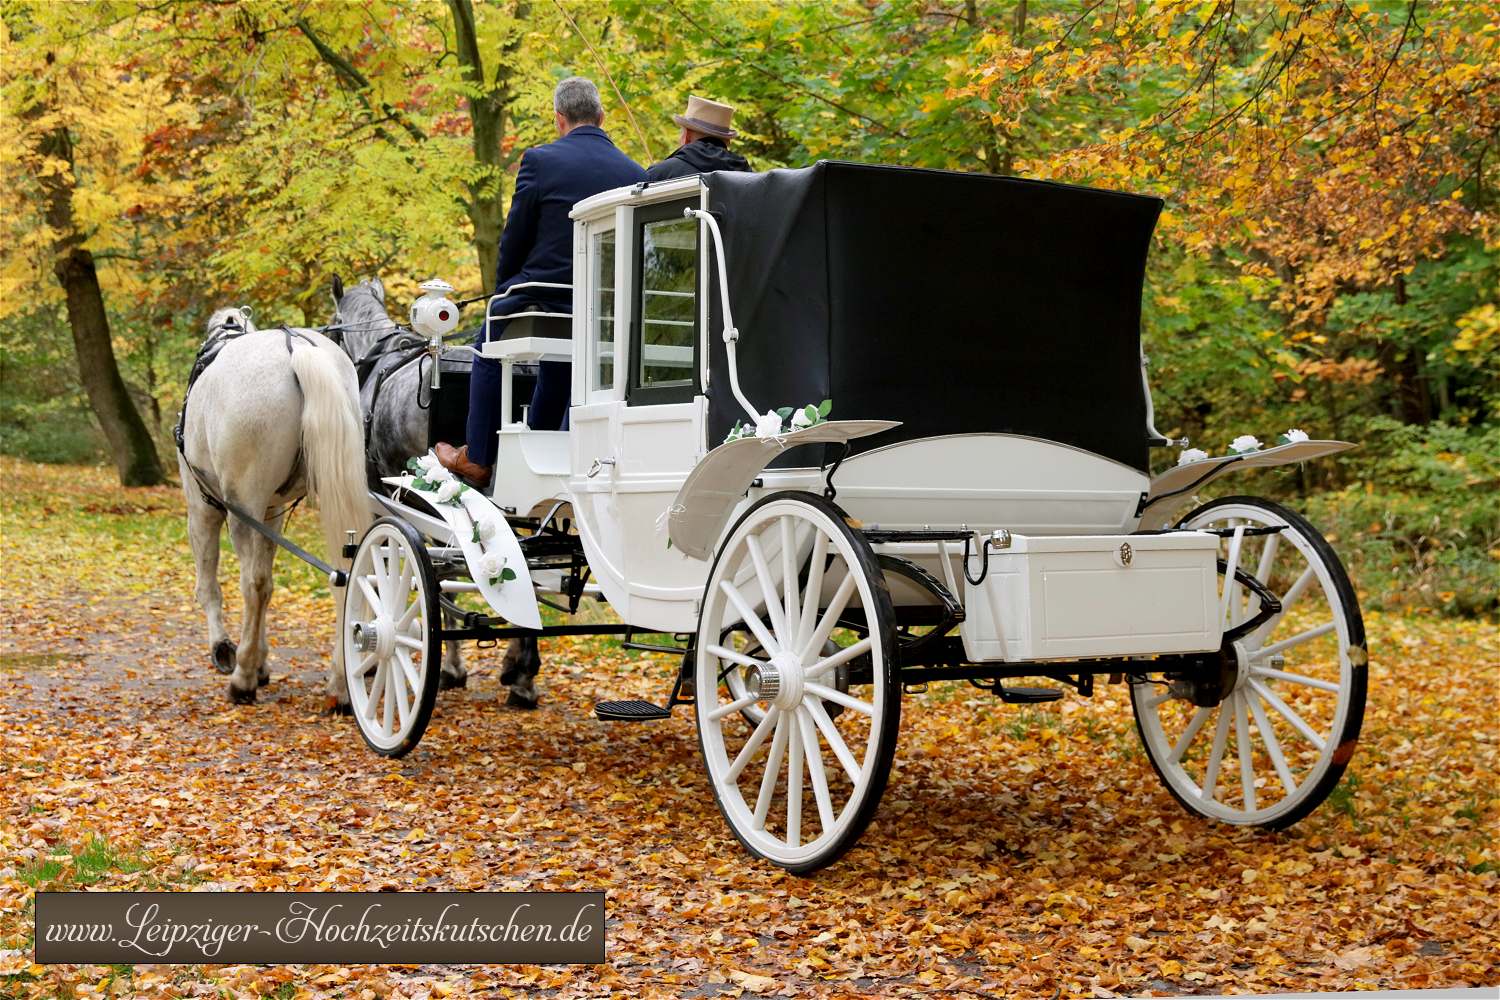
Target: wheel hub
(378,637)
(778,681)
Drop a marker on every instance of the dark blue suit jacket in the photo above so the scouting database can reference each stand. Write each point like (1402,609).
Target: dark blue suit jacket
(537,243)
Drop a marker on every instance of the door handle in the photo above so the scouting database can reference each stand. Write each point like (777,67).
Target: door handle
(598,467)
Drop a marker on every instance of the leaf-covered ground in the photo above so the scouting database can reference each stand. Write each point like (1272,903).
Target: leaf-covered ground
(1018,852)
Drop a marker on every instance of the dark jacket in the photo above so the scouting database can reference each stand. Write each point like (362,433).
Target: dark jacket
(537,243)
(700,157)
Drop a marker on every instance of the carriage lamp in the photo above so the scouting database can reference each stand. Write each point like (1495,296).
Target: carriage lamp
(434,315)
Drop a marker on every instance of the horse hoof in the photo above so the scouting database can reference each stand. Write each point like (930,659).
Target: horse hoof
(509,673)
(513,700)
(239,697)
(447,681)
(223,656)
(332,706)
(263,680)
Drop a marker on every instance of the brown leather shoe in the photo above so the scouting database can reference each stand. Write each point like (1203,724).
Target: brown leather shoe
(456,460)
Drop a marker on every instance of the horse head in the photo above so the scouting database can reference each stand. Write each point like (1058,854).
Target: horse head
(359,316)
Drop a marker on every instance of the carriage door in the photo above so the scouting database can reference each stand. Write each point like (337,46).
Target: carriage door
(640,430)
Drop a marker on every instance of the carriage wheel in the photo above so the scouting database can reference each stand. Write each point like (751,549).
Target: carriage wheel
(800,786)
(391,648)
(1291,697)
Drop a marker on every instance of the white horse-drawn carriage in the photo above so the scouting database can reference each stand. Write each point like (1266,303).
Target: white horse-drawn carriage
(840,431)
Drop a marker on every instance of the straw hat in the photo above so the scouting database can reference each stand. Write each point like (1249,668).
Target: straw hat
(708,117)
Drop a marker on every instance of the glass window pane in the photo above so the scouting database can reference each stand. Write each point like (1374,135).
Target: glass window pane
(669,287)
(603,283)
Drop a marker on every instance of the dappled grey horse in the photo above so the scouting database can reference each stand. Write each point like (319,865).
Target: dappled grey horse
(270,416)
(394,400)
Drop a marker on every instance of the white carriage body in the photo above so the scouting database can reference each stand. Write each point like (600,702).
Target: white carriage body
(623,464)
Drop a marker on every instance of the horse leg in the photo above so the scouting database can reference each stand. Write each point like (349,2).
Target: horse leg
(266,553)
(518,670)
(452,674)
(255,588)
(205,522)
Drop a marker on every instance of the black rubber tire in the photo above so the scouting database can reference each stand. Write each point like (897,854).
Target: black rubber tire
(1348,738)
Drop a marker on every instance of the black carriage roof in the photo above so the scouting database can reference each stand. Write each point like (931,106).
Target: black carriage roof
(953,302)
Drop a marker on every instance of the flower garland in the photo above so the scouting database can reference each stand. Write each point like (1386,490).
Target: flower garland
(431,476)
(1245,444)
(775,423)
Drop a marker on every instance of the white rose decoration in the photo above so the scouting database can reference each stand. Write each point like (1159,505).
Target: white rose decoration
(429,463)
(768,425)
(1295,435)
(1244,444)
(441,474)
(1191,455)
(484,530)
(800,419)
(449,489)
(490,567)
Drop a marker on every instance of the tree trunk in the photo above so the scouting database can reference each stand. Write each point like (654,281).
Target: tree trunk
(130,443)
(487,114)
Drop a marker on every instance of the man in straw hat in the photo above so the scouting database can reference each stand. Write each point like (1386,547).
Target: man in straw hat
(706,134)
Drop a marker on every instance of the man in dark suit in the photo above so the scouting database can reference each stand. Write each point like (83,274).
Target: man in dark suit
(537,245)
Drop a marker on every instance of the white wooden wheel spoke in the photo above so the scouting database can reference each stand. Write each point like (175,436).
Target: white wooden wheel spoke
(1228,609)
(1247,765)
(838,697)
(794,784)
(830,619)
(1157,697)
(377,688)
(1194,724)
(789,582)
(1292,595)
(1216,755)
(1296,640)
(843,656)
(815,771)
(1287,713)
(752,744)
(772,772)
(403,587)
(392,683)
(1264,567)
(734,656)
(397,691)
(1273,745)
(413,675)
(749,617)
(775,610)
(833,738)
(814,589)
(1291,678)
(366,662)
(409,642)
(733,706)
(409,617)
(370,595)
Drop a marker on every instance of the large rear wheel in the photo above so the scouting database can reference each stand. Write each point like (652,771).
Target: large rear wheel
(797,782)
(1272,739)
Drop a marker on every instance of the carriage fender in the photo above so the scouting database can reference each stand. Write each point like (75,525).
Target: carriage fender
(721,479)
(1176,487)
(475,517)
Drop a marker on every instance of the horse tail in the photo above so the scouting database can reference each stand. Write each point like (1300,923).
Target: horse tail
(333,443)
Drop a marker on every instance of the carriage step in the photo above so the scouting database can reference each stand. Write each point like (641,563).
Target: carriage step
(632,710)
(1027,696)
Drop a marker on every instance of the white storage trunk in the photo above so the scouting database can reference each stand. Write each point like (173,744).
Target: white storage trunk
(1076,596)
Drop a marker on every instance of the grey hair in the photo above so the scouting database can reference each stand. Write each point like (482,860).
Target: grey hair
(577,100)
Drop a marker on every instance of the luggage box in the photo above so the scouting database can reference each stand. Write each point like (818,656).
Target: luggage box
(1078,596)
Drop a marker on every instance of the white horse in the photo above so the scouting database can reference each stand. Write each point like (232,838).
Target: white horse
(273,416)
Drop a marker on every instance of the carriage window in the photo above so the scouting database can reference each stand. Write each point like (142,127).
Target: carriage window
(668,302)
(602,281)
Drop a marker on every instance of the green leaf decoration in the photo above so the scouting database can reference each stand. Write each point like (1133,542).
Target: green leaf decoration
(783,412)
(476,537)
(811,413)
(825,407)
(507,574)
(412,466)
